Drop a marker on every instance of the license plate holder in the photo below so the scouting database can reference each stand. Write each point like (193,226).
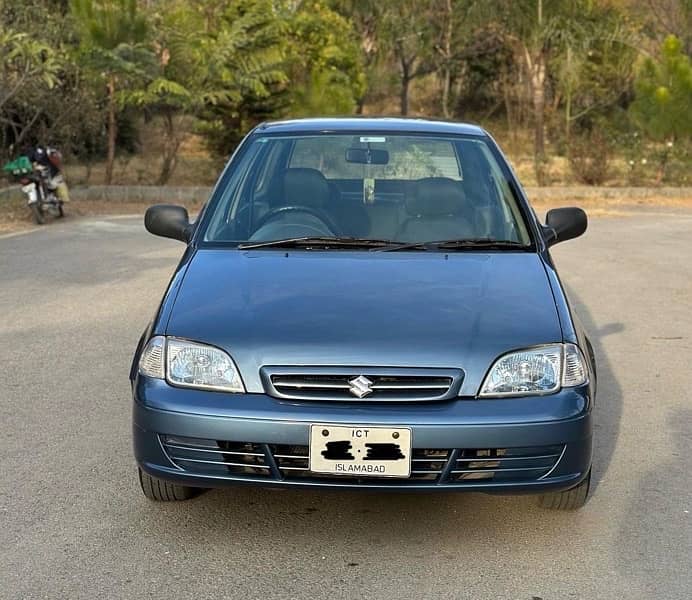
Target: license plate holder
(360,450)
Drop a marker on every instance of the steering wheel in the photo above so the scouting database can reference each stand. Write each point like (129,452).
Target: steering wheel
(314,212)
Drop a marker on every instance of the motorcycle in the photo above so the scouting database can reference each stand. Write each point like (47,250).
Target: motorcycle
(39,186)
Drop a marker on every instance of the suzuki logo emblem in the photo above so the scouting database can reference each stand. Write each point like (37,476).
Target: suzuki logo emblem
(360,386)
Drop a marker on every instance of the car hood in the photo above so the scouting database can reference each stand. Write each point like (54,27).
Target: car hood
(345,308)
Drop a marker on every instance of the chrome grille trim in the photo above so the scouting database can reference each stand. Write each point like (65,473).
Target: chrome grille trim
(221,462)
(216,457)
(389,384)
(178,447)
(491,470)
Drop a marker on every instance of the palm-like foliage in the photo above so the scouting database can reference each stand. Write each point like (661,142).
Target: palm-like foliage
(112,44)
(241,59)
(107,24)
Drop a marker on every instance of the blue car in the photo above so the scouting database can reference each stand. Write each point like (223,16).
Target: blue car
(369,304)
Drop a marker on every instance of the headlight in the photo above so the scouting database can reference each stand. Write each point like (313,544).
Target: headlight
(190,364)
(151,359)
(539,370)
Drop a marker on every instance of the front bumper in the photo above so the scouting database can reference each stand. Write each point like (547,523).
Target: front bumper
(494,446)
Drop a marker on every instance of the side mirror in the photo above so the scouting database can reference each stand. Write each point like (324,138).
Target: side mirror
(168,220)
(564,224)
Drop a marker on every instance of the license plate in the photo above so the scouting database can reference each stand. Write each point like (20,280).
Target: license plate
(360,451)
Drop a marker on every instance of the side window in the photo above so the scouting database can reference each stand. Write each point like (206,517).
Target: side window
(230,196)
(503,197)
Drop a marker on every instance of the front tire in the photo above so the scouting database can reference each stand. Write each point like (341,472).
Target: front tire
(160,490)
(37,213)
(571,499)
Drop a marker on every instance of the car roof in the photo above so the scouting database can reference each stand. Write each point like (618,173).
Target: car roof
(378,124)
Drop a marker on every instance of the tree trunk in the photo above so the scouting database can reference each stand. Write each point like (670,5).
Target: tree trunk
(661,171)
(568,101)
(403,99)
(538,93)
(405,84)
(537,83)
(447,55)
(508,107)
(170,150)
(536,68)
(112,130)
(87,174)
(446,86)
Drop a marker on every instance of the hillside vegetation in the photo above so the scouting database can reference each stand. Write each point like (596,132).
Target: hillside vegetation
(161,91)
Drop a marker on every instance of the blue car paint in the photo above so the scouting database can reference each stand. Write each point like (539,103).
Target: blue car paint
(456,310)
(425,309)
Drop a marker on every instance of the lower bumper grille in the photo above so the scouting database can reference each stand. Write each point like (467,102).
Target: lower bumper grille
(293,461)
(216,457)
(280,462)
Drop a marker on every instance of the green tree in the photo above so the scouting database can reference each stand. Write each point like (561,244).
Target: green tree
(27,67)
(593,69)
(663,98)
(408,34)
(242,54)
(113,36)
(461,35)
(54,103)
(323,62)
(669,17)
(365,17)
(534,28)
(552,41)
(176,88)
(664,94)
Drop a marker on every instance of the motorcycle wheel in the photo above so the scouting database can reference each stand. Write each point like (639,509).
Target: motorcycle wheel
(37,212)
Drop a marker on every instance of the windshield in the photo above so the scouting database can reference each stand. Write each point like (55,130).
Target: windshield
(389,188)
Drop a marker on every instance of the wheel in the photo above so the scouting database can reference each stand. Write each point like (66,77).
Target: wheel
(37,212)
(164,491)
(571,499)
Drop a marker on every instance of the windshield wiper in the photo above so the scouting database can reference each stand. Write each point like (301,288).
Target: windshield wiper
(484,243)
(317,242)
(378,245)
(467,244)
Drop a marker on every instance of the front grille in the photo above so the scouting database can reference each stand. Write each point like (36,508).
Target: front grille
(366,384)
(283,462)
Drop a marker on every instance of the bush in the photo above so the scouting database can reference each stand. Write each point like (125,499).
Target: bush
(589,157)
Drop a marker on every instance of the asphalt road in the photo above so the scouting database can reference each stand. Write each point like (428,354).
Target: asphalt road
(74,298)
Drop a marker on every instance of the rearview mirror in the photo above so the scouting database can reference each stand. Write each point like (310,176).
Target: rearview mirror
(168,220)
(367,156)
(564,224)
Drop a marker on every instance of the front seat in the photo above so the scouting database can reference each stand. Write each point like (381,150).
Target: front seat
(299,187)
(436,211)
(304,187)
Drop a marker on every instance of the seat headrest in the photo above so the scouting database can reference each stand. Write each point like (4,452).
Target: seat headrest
(434,197)
(305,187)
